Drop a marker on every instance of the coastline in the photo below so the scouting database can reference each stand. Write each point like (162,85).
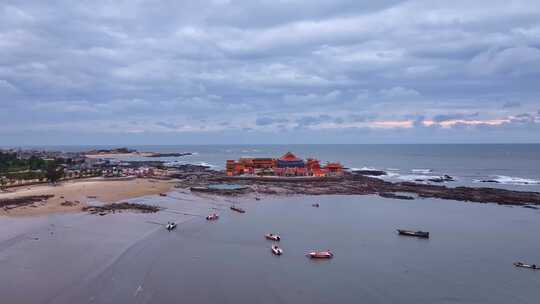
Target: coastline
(73,196)
(80,193)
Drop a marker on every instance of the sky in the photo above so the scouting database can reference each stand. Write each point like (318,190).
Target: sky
(269,71)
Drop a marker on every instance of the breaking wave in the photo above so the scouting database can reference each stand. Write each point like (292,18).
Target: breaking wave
(177,163)
(509,180)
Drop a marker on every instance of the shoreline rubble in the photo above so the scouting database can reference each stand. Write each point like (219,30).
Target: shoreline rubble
(355,184)
(113,208)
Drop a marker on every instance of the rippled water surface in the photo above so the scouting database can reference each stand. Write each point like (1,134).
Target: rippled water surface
(468,258)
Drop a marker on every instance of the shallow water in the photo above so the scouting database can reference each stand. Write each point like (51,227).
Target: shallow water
(468,258)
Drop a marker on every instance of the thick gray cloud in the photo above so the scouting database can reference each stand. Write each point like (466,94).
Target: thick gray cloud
(216,70)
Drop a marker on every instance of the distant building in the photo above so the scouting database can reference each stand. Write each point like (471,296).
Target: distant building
(290,160)
(287,165)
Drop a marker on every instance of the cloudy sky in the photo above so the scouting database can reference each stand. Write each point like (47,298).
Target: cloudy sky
(269,71)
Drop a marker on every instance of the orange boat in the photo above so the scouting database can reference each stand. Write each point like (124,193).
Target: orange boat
(320,254)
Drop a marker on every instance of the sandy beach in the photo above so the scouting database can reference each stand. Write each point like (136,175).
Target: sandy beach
(80,193)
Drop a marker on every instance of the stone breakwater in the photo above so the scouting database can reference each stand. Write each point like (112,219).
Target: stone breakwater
(362,185)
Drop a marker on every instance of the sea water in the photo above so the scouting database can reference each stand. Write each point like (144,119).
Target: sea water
(467,259)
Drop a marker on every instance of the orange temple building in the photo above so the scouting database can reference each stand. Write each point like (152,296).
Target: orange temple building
(287,165)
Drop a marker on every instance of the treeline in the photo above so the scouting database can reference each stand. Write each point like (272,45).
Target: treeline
(9,163)
(14,171)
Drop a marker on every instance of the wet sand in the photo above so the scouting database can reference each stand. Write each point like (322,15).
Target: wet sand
(54,255)
(83,192)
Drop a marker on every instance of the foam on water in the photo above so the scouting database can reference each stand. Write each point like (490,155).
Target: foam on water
(364,168)
(511,180)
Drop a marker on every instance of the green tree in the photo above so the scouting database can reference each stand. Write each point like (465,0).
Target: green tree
(3,181)
(54,172)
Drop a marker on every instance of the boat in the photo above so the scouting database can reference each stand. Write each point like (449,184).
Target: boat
(327,254)
(212,217)
(276,250)
(316,205)
(171,226)
(272,237)
(420,234)
(238,209)
(523,265)
(162,194)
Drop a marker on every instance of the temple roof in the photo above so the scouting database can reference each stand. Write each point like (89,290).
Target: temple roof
(289,156)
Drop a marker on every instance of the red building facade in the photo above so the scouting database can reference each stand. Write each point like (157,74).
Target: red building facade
(287,165)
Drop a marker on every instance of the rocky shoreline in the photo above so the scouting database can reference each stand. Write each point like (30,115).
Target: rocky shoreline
(354,184)
(29,200)
(118,207)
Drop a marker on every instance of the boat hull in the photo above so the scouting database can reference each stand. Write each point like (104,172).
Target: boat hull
(277,251)
(273,237)
(212,217)
(320,255)
(523,265)
(239,210)
(418,234)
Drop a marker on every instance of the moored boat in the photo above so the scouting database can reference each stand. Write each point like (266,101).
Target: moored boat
(419,233)
(170,226)
(523,265)
(272,237)
(276,250)
(163,194)
(327,254)
(238,209)
(212,217)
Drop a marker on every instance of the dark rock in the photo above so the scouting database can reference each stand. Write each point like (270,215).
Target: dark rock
(395,196)
(23,201)
(111,208)
(369,172)
(169,154)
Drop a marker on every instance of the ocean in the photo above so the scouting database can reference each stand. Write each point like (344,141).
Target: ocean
(511,166)
(127,258)
(468,258)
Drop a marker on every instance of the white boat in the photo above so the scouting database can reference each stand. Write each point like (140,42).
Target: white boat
(276,250)
(523,265)
(212,217)
(272,237)
(327,254)
(171,226)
